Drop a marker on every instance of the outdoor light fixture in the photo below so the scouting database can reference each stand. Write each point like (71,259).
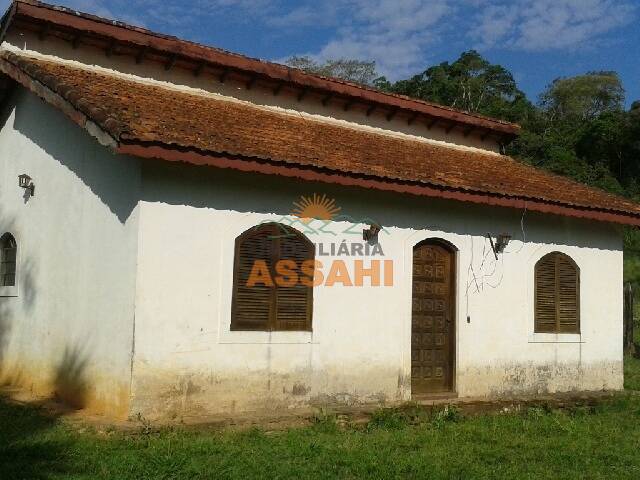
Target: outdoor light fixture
(371,234)
(25,181)
(500,244)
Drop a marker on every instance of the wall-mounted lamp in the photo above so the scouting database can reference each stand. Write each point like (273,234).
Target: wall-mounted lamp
(25,181)
(371,234)
(500,244)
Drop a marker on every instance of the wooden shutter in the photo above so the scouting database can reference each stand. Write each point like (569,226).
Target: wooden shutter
(265,308)
(8,260)
(557,295)
(545,295)
(252,306)
(568,297)
(294,304)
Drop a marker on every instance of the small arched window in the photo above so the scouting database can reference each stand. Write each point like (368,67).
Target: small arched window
(557,294)
(8,260)
(272,280)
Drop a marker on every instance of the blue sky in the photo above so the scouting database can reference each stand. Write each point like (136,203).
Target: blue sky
(538,40)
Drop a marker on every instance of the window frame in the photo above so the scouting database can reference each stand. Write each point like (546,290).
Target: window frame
(277,229)
(537,332)
(11,290)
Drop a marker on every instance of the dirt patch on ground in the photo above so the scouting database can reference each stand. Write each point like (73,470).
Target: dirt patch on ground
(343,416)
(476,406)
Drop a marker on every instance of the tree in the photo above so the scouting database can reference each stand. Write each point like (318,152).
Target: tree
(470,83)
(584,97)
(613,138)
(580,129)
(357,71)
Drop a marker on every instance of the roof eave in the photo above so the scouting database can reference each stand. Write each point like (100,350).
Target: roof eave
(57,101)
(271,167)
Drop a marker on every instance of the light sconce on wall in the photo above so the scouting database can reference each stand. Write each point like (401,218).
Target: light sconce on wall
(500,244)
(371,234)
(25,181)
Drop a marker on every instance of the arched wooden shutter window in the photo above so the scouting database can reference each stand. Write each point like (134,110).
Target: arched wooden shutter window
(283,298)
(557,294)
(8,260)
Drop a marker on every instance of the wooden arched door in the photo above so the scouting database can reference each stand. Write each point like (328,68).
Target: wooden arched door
(433,318)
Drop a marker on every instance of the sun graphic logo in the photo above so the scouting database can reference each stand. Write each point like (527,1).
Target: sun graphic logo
(316,207)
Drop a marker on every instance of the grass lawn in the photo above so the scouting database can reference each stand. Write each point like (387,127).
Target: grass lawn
(536,442)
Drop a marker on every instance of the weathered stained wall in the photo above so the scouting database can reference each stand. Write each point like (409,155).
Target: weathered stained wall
(67,329)
(188,362)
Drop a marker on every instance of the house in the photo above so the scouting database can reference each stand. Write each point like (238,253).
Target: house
(188,232)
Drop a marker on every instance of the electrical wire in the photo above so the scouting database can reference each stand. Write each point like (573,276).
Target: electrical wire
(524,235)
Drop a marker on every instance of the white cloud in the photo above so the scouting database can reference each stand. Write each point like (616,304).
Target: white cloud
(305,15)
(394,33)
(548,24)
(399,34)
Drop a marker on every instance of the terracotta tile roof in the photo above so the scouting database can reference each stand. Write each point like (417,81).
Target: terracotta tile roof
(75,26)
(148,115)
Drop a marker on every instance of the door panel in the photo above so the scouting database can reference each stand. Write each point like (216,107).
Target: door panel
(432,323)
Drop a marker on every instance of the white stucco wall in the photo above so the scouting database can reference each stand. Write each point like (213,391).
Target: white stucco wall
(188,362)
(67,329)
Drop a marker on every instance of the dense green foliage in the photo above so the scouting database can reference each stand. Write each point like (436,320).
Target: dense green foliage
(578,127)
(470,83)
(632,370)
(536,442)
